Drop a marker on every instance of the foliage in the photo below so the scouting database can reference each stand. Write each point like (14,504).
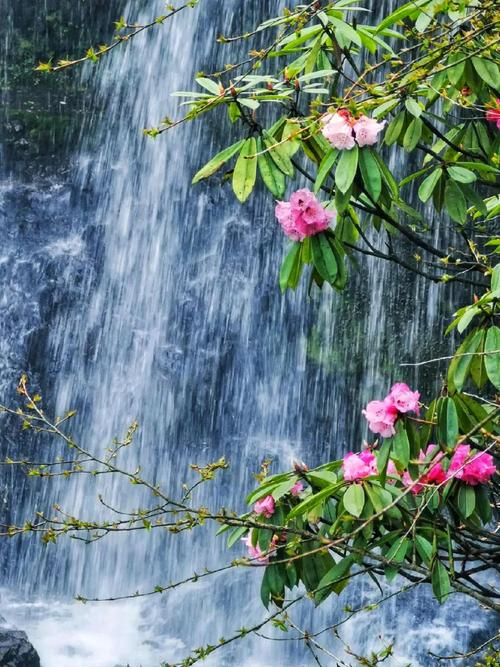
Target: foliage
(426,78)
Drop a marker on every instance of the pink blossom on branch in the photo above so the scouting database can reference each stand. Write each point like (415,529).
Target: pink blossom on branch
(403,398)
(381,416)
(255,552)
(366,131)
(359,466)
(297,488)
(303,215)
(472,469)
(265,507)
(343,131)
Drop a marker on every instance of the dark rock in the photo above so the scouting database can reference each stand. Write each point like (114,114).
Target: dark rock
(15,648)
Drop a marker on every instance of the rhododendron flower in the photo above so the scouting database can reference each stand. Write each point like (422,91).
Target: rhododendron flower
(437,473)
(265,506)
(303,215)
(493,115)
(403,398)
(416,484)
(366,130)
(297,488)
(381,416)
(476,469)
(337,130)
(358,466)
(255,552)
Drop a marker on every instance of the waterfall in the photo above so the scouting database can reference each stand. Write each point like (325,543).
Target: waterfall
(160,303)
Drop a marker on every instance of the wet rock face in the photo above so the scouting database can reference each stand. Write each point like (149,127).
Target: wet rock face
(15,648)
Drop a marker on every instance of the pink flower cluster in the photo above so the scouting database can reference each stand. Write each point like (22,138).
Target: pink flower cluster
(343,131)
(493,115)
(473,470)
(303,215)
(382,415)
(476,469)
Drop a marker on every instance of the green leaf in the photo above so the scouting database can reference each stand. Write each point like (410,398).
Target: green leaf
(217,161)
(394,129)
(492,356)
(401,445)
(383,459)
(413,107)
(321,478)
(466,500)
(488,71)
(323,258)
(370,173)
(462,175)
(346,31)
(325,168)
(455,203)
(412,134)
(291,268)
(447,422)
(495,277)
(236,535)
(291,137)
(279,155)
(428,184)
(245,170)
(424,548)
(265,590)
(354,499)
(483,503)
(346,169)
(462,360)
(440,582)
(312,501)
(209,85)
(273,178)
(335,580)
(401,13)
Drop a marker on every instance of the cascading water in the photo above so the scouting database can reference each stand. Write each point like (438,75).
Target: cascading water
(175,320)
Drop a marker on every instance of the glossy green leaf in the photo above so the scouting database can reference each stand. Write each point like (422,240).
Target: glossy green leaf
(428,184)
(462,360)
(273,178)
(488,71)
(324,259)
(354,499)
(401,445)
(370,173)
(279,155)
(455,203)
(447,422)
(462,175)
(334,580)
(394,129)
(312,501)
(466,500)
(440,582)
(401,13)
(424,548)
(291,268)
(217,161)
(346,169)
(245,170)
(325,168)
(492,356)
(412,134)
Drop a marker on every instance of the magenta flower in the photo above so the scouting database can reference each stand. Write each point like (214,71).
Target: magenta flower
(493,115)
(358,466)
(381,416)
(437,474)
(403,398)
(265,507)
(337,130)
(471,469)
(366,131)
(297,488)
(303,215)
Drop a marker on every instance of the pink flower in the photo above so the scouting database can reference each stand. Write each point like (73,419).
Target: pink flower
(476,469)
(337,130)
(254,552)
(381,416)
(297,488)
(493,115)
(265,506)
(416,485)
(391,469)
(358,466)
(436,474)
(403,398)
(366,130)
(303,215)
